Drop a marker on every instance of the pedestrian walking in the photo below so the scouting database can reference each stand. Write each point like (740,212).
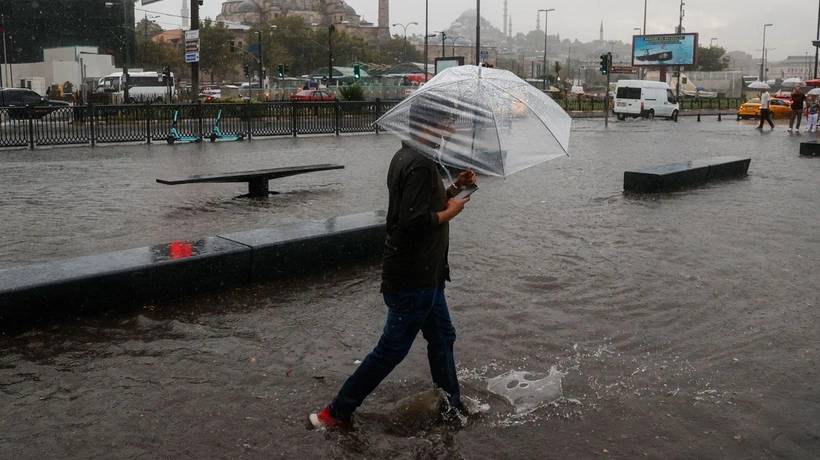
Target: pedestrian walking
(765,113)
(798,100)
(414,269)
(812,110)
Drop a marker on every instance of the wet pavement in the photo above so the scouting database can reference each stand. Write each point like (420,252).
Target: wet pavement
(685,323)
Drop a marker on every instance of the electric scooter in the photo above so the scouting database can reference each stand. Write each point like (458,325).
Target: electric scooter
(175,136)
(217,133)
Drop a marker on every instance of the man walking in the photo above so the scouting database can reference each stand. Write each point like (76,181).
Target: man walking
(765,114)
(798,99)
(414,267)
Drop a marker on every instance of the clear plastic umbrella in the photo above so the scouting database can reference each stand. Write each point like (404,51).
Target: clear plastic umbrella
(793,82)
(758,85)
(814,92)
(487,120)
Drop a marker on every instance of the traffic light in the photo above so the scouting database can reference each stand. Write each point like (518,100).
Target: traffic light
(605,64)
(357,72)
(166,74)
(247,70)
(280,71)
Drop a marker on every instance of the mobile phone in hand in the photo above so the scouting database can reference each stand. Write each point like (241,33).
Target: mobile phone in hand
(466,191)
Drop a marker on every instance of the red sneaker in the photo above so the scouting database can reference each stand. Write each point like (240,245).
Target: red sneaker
(324,420)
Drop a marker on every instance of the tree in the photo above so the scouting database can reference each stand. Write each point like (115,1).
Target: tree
(712,59)
(215,55)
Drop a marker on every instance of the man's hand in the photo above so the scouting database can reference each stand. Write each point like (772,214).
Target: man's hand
(466,178)
(454,208)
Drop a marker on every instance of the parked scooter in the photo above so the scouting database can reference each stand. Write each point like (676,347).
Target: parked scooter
(175,136)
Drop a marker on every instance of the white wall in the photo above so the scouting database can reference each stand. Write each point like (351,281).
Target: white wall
(63,64)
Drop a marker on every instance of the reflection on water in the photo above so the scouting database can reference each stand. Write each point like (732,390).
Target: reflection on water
(685,324)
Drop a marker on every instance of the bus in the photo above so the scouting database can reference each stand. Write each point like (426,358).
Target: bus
(142,87)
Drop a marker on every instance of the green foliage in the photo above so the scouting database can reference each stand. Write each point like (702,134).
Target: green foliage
(712,59)
(352,93)
(215,55)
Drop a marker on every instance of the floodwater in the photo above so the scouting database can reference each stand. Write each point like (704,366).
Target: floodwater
(681,325)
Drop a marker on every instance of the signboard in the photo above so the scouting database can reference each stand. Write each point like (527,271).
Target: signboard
(623,69)
(447,62)
(664,49)
(484,55)
(191,46)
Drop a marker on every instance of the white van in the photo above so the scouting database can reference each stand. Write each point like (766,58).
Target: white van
(644,98)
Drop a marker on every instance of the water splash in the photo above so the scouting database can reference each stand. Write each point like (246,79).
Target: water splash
(527,391)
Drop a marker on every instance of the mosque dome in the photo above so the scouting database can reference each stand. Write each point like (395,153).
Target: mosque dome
(248,6)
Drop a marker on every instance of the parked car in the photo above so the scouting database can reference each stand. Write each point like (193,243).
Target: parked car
(18,98)
(313,95)
(780,108)
(644,98)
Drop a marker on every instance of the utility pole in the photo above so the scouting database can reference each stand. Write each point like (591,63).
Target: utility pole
(643,32)
(261,65)
(330,31)
(817,42)
(680,68)
(5,60)
(763,55)
(544,68)
(195,65)
(426,33)
(478,32)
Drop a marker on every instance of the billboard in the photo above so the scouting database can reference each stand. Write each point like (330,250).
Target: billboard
(664,49)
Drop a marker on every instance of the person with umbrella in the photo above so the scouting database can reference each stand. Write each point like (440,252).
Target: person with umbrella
(414,267)
(812,110)
(765,114)
(798,98)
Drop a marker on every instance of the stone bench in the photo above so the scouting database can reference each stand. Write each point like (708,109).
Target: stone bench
(676,176)
(810,149)
(257,180)
(184,268)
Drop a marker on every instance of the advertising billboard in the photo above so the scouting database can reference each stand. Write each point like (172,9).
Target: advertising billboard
(664,49)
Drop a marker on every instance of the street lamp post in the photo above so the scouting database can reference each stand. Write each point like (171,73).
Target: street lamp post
(5,58)
(331,28)
(680,31)
(816,44)
(546,34)
(478,32)
(426,32)
(261,59)
(763,54)
(126,48)
(454,43)
(405,26)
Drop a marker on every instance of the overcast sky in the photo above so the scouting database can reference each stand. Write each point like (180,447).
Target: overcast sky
(737,24)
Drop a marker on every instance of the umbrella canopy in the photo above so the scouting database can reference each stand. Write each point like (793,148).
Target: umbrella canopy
(758,85)
(488,120)
(793,82)
(814,92)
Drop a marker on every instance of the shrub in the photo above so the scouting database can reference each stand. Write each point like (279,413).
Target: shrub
(352,93)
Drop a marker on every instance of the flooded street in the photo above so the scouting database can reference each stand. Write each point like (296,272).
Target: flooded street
(685,324)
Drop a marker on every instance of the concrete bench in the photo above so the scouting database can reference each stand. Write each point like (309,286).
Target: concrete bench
(810,149)
(257,180)
(676,176)
(120,279)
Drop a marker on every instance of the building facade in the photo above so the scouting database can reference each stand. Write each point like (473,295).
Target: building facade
(313,12)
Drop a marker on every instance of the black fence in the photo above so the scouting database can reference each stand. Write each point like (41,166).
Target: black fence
(104,124)
(595,105)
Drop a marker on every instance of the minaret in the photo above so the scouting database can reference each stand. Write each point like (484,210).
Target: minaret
(384,19)
(509,27)
(602,31)
(538,21)
(186,15)
(504,22)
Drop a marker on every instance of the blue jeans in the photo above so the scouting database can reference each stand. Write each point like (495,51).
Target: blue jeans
(408,313)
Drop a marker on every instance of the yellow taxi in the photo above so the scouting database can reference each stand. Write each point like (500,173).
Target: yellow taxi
(780,108)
